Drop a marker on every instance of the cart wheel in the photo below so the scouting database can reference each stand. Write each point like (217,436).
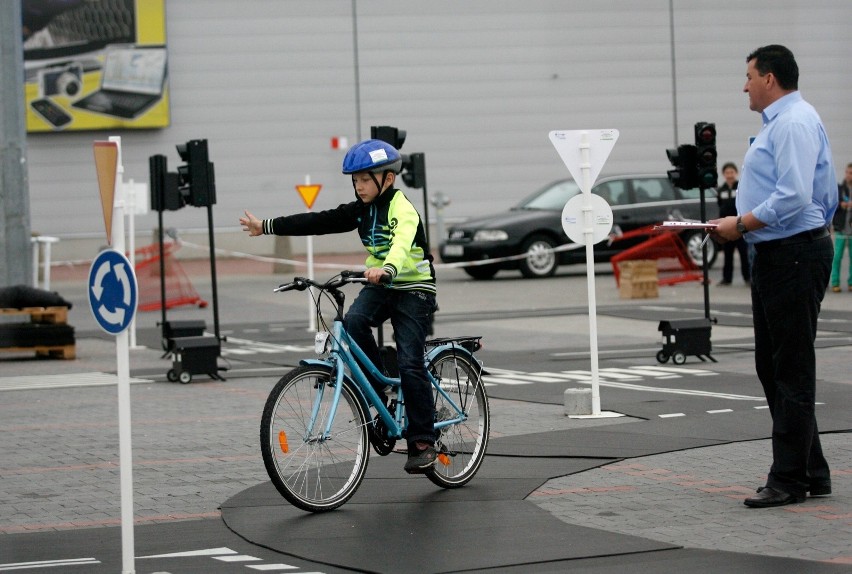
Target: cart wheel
(662,356)
(172,376)
(678,358)
(185,377)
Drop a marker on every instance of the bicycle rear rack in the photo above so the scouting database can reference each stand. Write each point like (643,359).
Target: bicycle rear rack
(472,344)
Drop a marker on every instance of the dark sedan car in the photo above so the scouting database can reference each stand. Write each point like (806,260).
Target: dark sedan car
(534,226)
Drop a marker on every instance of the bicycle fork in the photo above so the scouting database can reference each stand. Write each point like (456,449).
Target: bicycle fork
(322,435)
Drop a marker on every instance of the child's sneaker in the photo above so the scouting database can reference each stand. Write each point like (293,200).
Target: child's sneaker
(419,461)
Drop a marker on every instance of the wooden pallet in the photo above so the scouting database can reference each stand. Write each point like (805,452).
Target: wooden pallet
(56,352)
(44,315)
(53,315)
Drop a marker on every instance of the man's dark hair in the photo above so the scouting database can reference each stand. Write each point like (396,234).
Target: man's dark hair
(780,61)
(730,164)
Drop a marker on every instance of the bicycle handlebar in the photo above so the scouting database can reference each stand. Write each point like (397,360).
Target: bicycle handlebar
(345,277)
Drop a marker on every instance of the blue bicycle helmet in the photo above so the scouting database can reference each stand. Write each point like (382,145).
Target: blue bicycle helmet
(373,156)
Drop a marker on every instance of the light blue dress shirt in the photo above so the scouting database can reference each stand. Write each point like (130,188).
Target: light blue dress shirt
(788,179)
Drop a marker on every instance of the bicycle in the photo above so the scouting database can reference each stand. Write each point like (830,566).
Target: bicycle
(316,430)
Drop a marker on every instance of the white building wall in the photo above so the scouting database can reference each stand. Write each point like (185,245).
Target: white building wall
(477,85)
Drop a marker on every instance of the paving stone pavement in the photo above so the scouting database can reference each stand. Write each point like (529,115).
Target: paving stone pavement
(694,498)
(194,446)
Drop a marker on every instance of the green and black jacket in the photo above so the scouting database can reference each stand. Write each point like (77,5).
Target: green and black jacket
(390,229)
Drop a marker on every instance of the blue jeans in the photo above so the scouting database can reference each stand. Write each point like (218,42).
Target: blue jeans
(409,313)
(787,288)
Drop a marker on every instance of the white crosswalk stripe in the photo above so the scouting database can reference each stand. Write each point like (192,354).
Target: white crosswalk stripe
(621,378)
(613,374)
(236,346)
(32,382)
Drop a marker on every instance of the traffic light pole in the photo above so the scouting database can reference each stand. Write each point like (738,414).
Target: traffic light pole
(704,259)
(695,166)
(215,289)
(426,215)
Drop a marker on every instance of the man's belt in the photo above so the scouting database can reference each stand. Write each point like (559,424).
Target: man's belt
(803,237)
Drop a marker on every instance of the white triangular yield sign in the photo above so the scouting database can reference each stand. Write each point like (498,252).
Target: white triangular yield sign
(567,144)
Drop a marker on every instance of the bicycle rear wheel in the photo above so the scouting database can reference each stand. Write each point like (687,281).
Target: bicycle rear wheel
(461,446)
(313,472)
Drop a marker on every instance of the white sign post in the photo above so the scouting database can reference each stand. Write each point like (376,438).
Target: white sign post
(133,197)
(112,293)
(587,218)
(309,193)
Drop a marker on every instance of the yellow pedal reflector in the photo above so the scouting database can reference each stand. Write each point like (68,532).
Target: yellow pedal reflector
(282,442)
(444,459)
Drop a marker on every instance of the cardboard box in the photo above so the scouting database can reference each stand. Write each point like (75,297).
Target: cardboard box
(639,279)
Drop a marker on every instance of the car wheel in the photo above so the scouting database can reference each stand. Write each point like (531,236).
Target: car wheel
(693,240)
(540,260)
(482,271)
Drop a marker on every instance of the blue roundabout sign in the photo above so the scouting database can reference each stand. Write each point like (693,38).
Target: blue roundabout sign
(112,291)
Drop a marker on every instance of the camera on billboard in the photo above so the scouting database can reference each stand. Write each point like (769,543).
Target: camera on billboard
(65,80)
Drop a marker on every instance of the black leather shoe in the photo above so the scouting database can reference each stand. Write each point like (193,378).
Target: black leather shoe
(822,488)
(768,497)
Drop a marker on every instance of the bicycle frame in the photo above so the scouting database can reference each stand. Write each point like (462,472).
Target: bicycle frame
(345,354)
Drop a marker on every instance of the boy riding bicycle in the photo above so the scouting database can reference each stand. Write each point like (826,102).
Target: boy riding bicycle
(400,273)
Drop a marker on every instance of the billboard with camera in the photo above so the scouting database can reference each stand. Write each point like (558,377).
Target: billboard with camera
(95,64)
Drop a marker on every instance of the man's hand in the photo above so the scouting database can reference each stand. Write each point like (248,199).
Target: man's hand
(252,224)
(374,275)
(725,230)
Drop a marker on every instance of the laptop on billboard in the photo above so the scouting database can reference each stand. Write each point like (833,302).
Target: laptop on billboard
(132,81)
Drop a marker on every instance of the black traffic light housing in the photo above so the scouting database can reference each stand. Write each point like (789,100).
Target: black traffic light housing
(413,166)
(388,134)
(196,179)
(684,159)
(705,143)
(414,170)
(165,195)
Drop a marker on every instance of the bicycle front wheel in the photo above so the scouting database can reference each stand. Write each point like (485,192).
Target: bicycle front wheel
(461,446)
(313,470)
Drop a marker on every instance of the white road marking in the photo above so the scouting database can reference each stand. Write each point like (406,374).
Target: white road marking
(31,382)
(47,564)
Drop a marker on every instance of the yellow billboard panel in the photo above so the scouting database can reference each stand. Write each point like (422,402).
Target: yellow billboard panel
(95,65)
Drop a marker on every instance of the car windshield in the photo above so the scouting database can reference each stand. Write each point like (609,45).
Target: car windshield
(551,198)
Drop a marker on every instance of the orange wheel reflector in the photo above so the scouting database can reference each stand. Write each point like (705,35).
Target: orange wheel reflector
(444,459)
(282,442)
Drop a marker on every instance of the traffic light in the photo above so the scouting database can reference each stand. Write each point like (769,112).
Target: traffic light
(388,134)
(705,142)
(196,179)
(414,170)
(684,159)
(413,166)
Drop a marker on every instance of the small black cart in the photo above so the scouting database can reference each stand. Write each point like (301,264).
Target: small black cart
(685,337)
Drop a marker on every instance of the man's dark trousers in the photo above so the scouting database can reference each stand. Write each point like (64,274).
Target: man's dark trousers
(789,279)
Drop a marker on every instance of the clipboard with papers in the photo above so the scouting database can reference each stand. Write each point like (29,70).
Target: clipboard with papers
(686,225)
(673,225)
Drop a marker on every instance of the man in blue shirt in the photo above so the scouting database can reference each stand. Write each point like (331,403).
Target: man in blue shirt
(785,202)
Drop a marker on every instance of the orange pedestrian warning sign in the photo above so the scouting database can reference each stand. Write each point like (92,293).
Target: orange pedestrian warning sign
(106,163)
(309,193)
